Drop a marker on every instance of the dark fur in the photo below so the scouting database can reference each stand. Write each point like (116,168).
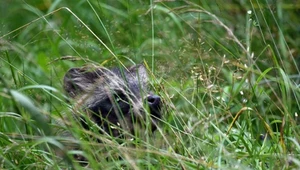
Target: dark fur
(114,99)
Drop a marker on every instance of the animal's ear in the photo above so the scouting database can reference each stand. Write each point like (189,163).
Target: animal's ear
(139,72)
(78,80)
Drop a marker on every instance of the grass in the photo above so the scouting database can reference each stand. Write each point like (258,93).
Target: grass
(228,74)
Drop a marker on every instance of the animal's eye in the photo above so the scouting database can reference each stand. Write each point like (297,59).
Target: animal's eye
(119,97)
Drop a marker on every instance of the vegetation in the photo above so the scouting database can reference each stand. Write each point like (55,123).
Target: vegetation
(228,73)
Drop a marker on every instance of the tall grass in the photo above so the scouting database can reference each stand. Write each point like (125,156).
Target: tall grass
(228,74)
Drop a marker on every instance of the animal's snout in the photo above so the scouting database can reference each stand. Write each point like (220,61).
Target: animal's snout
(153,100)
(154,103)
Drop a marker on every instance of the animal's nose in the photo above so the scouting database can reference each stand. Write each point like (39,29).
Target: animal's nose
(154,101)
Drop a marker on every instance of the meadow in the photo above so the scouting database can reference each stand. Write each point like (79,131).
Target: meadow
(227,73)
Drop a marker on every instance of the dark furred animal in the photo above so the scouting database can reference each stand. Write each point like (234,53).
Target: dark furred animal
(113,98)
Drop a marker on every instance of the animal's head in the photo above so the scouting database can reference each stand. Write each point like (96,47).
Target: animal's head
(113,97)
